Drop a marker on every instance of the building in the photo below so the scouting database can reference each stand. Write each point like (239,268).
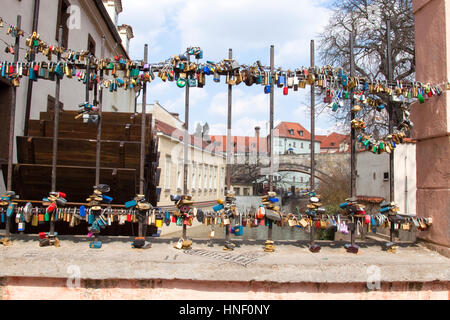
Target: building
(372,180)
(206,170)
(334,143)
(293,138)
(247,153)
(84,24)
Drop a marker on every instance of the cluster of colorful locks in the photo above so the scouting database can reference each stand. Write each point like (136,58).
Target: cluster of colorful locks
(98,214)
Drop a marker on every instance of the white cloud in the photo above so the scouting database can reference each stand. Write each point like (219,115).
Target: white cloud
(244,103)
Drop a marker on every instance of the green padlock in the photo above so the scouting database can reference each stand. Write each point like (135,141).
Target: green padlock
(47,217)
(420,97)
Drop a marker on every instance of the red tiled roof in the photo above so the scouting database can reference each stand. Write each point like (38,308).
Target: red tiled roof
(285,127)
(334,140)
(178,134)
(320,138)
(240,144)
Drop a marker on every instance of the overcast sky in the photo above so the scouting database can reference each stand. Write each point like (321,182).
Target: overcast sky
(249,27)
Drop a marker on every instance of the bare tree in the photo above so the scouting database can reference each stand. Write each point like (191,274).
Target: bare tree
(367,19)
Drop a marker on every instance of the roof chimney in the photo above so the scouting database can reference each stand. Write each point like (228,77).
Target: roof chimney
(257,131)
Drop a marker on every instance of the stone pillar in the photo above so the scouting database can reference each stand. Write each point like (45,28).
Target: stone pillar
(431,119)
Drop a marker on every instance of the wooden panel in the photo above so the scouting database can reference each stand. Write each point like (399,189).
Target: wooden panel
(78,152)
(67,130)
(33,182)
(108,117)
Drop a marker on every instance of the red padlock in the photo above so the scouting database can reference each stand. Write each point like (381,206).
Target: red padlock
(286,91)
(174,219)
(318,225)
(62,195)
(367,219)
(42,235)
(51,207)
(129,218)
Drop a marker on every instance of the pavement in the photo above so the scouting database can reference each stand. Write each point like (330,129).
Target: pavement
(290,263)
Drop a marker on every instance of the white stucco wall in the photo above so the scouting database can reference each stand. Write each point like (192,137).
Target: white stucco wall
(281,145)
(370,179)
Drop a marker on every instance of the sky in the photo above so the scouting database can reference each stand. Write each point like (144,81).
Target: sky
(249,27)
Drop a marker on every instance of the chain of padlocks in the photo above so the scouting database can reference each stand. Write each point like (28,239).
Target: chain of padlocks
(98,214)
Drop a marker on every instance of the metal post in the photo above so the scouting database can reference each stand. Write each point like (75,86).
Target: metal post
(99,128)
(11,130)
(56,132)
(391,124)
(143,131)
(186,146)
(272,97)
(353,131)
(230,154)
(313,122)
(390,109)
(31,82)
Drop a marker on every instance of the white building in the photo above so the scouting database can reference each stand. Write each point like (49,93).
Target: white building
(373,176)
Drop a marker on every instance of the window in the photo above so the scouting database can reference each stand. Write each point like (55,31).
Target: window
(374,176)
(246,192)
(194,175)
(295,145)
(300,133)
(238,191)
(333,144)
(91,45)
(302,145)
(211,169)
(180,174)
(386,176)
(167,173)
(61,20)
(200,168)
(205,177)
(291,132)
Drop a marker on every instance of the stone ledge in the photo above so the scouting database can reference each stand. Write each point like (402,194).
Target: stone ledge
(291,263)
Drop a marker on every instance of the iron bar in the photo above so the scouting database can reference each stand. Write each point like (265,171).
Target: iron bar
(99,128)
(230,153)
(143,132)
(313,122)
(186,146)
(32,58)
(353,131)
(11,129)
(391,123)
(56,132)
(272,98)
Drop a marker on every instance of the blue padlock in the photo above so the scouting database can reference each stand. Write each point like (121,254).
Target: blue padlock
(343,205)
(206,71)
(218,207)
(130,204)
(238,231)
(274,200)
(107,199)
(10,210)
(95,245)
(91,219)
(3,218)
(267,89)
(82,211)
(168,220)
(385,209)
